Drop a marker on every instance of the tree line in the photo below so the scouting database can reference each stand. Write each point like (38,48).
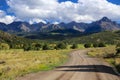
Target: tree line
(89,45)
(37,46)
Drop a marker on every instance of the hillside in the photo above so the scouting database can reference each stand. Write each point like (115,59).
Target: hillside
(104,24)
(13,41)
(110,37)
(107,37)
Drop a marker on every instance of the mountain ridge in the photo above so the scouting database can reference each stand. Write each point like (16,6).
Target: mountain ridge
(103,24)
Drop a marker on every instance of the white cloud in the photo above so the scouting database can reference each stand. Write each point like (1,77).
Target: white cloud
(36,20)
(52,10)
(6,18)
(55,23)
(2,13)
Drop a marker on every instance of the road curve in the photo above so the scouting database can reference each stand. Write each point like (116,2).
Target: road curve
(79,67)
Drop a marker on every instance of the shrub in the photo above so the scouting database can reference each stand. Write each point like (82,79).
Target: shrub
(74,46)
(101,45)
(88,45)
(2,62)
(27,47)
(95,45)
(117,51)
(37,46)
(118,67)
(61,46)
(4,46)
(111,55)
(46,47)
(118,45)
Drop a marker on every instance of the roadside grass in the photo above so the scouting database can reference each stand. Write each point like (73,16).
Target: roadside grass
(19,62)
(80,46)
(105,51)
(101,52)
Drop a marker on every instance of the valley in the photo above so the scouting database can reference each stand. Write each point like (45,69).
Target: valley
(68,53)
(59,39)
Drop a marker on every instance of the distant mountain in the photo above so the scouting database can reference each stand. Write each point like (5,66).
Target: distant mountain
(36,27)
(74,25)
(66,31)
(19,27)
(50,27)
(3,26)
(103,24)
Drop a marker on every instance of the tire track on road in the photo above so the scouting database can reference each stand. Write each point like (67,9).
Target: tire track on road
(78,60)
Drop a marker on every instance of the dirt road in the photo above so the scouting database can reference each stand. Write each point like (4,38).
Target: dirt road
(79,67)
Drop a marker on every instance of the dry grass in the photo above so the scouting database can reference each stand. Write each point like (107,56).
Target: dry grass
(18,63)
(117,60)
(102,52)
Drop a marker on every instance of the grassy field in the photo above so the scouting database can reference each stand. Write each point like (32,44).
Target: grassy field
(14,63)
(102,52)
(80,46)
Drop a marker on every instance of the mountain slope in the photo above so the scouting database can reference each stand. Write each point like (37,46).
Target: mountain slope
(106,37)
(18,27)
(12,40)
(50,27)
(66,31)
(3,26)
(103,24)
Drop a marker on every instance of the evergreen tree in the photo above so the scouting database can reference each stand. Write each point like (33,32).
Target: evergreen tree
(46,47)
(95,45)
(87,45)
(61,46)
(101,45)
(74,46)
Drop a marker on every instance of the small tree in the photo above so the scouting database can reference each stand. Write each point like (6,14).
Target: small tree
(88,45)
(95,45)
(118,51)
(118,45)
(61,46)
(46,47)
(37,46)
(4,46)
(27,47)
(74,46)
(101,45)
(118,67)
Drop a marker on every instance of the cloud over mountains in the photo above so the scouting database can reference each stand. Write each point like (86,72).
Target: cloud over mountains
(53,11)
(6,18)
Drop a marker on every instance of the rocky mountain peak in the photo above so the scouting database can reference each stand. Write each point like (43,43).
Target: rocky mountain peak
(105,19)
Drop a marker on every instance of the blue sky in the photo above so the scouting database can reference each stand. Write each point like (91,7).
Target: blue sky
(4,6)
(113,1)
(58,11)
(68,0)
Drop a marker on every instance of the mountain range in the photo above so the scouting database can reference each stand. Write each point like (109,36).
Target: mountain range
(103,24)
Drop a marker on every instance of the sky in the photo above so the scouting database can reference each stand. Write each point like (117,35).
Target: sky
(55,11)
